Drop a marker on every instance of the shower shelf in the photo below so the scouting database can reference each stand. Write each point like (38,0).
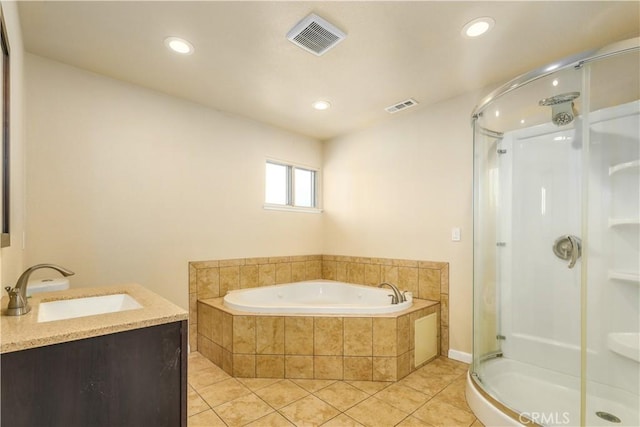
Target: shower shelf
(626,344)
(613,222)
(628,166)
(624,276)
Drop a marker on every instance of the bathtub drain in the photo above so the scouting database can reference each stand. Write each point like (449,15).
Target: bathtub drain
(608,417)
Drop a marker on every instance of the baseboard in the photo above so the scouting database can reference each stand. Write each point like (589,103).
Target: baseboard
(460,356)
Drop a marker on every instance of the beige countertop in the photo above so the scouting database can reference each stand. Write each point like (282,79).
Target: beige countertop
(24,332)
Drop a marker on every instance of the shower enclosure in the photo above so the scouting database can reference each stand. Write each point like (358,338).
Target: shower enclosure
(556,336)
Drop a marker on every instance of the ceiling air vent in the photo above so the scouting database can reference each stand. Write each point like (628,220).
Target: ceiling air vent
(315,35)
(401,106)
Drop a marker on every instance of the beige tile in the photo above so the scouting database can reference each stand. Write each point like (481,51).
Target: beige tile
(279,260)
(358,368)
(341,271)
(256,261)
(205,419)
(429,284)
(274,419)
(358,336)
(384,336)
(216,326)
(374,413)
(404,365)
(454,394)
(477,423)
(442,414)
(328,367)
(205,320)
(254,384)
(244,334)
(227,331)
(193,336)
(328,333)
(444,279)
(298,335)
(372,274)
(205,377)
(197,362)
(408,279)
(342,395)
(223,391)
(412,421)
(281,393)
(444,310)
(355,273)
(309,411)
(209,350)
(244,365)
(329,270)
(266,274)
(269,335)
(385,368)
(208,283)
(231,262)
(227,361)
(229,279)
(243,410)
(313,385)
(298,366)
(444,366)
(402,397)
(298,271)
(283,273)
(370,387)
(428,384)
(313,270)
(193,309)
(403,334)
(390,273)
(342,420)
(204,264)
(444,340)
(270,366)
(248,276)
(193,287)
(406,262)
(195,404)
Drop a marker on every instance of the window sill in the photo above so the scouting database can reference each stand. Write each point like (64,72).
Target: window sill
(291,208)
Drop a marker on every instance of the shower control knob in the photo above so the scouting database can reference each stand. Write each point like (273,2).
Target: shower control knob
(568,248)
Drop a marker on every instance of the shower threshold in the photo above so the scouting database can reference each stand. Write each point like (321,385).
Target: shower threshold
(551,398)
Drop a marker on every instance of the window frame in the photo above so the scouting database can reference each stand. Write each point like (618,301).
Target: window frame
(290,190)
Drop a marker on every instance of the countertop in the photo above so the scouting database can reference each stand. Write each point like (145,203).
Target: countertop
(24,332)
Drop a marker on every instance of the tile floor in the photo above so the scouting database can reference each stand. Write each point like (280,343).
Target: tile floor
(432,396)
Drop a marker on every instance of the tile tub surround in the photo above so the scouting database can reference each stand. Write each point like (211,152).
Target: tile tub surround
(212,279)
(372,348)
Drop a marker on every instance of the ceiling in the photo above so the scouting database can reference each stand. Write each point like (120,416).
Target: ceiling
(243,63)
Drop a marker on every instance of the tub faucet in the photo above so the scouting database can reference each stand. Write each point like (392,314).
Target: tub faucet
(397,295)
(18,304)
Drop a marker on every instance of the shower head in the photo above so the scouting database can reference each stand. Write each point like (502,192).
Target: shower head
(562,111)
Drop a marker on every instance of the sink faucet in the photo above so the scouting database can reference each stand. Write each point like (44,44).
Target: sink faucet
(397,295)
(18,304)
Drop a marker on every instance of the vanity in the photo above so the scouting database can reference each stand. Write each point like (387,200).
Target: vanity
(126,366)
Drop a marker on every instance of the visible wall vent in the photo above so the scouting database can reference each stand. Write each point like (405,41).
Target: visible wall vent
(315,35)
(401,106)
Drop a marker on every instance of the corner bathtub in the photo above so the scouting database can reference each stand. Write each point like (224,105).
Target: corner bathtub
(315,296)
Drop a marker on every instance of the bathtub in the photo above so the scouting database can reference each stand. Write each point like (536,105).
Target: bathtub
(315,296)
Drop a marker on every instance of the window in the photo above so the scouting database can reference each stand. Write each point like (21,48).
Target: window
(290,186)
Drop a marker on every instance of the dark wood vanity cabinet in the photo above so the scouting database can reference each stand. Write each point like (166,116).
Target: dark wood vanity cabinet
(134,378)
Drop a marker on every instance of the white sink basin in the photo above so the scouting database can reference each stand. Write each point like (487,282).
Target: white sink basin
(89,306)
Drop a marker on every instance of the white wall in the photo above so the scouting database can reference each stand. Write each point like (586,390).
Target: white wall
(397,189)
(12,257)
(128,185)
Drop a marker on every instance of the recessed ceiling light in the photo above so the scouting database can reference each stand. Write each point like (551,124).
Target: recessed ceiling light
(555,82)
(179,45)
(478,27)
(321,105)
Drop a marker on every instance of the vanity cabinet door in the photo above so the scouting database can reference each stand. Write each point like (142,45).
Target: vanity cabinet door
(133,378)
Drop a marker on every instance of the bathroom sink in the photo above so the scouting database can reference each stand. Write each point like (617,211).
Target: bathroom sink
(88,306)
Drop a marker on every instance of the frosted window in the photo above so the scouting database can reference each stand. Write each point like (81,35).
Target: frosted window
(276,184)
(288,185)
(304,183)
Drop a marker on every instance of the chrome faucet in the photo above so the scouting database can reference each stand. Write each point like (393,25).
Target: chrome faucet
(18,304)
(397,295)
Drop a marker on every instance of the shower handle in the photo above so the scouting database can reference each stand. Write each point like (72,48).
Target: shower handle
(568,248)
